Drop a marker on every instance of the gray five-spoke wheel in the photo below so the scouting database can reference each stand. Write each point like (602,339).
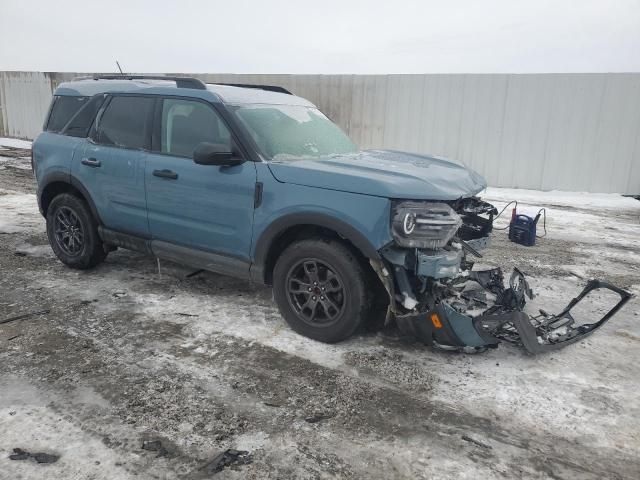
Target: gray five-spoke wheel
(315,292)
(68,230)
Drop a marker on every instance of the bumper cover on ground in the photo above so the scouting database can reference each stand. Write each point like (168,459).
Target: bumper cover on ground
(445,327)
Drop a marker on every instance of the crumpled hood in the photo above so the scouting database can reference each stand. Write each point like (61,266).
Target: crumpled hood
(383,173)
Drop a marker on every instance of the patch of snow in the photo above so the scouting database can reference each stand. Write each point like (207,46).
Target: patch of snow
(35,250)
(592,218)
(556,197)
(21,163)
(15,142)
(17,213)
(28,422)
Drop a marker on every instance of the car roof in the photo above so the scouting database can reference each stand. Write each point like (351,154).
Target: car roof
(213,92)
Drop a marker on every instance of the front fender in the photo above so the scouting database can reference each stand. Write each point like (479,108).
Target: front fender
(361,219)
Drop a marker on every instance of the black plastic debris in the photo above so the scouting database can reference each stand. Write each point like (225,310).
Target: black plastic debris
(318,417)
(40,457)
(228,458)
(478,443)
(155,446)
(24,315)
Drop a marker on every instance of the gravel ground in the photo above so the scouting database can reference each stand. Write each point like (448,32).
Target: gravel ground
(205,363)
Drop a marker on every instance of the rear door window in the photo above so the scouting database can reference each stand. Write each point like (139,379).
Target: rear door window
(125,122)
(62,110)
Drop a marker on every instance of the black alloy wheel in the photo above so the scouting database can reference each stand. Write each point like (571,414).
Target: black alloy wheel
(315,292)
(69,233)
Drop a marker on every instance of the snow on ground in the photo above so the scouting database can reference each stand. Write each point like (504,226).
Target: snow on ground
(566,199)
(14,142)
(580,403)
(583,217)
(9,147)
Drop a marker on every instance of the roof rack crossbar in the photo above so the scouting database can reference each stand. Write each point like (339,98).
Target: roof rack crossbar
(270,88)
(181,82)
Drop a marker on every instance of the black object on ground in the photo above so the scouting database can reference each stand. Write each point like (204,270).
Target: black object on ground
(24,315)
(194,273)
(227,458)
(317,417)
(467,438)
(155,446)
(40,457)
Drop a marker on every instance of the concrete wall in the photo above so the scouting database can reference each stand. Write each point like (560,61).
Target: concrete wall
(577,132)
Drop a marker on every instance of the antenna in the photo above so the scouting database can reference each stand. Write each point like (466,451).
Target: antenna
(119,68)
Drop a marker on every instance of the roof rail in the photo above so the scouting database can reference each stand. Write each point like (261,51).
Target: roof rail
(271,88)
(181,82)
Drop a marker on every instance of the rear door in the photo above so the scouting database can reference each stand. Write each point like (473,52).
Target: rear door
(112,163)
(205,207)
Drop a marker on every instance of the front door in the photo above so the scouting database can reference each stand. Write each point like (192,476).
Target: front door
(203,207)
(111,164)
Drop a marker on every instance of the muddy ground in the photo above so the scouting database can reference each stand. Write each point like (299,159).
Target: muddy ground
(126,354)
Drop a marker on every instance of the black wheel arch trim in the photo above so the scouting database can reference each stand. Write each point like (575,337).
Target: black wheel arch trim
(59,177)
(280,225)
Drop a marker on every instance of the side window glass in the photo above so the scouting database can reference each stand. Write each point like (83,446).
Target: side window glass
(63,109)
(124,122)
(186,123)
(80,123)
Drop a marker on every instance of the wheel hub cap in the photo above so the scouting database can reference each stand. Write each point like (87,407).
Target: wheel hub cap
(68,231)
(315,292)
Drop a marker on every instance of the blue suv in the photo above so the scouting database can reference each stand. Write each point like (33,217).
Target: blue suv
(254,182)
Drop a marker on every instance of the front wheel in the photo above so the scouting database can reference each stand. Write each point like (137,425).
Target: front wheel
(320,289)
(73,232)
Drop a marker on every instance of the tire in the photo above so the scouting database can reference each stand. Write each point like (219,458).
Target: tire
(82,248)
(340,308)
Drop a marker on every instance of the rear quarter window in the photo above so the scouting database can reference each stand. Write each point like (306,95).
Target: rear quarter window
(81,122)
(62,109)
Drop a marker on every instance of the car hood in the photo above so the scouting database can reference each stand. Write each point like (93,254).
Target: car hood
(383,173)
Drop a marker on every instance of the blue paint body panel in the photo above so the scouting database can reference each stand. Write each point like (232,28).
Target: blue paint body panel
(116,187)
(385,174)
(207,207)
(369,215)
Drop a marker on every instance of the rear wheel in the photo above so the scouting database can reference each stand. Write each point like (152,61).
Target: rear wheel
(320,289)
(73,232)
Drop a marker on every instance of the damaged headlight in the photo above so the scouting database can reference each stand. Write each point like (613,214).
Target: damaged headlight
(428,225)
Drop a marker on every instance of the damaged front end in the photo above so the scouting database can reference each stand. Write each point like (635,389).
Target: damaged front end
(439,298)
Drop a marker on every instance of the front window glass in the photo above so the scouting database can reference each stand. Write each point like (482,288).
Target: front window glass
(288,132)
(186,123)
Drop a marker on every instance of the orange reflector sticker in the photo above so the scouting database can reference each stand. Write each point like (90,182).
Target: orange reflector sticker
(436,320)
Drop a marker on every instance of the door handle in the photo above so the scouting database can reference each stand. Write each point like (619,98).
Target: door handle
(91,162)
(165,174)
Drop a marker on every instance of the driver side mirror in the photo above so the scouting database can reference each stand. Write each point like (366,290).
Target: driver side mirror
(218,154)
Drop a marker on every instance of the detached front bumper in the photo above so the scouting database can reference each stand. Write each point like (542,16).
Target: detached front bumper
(445,327)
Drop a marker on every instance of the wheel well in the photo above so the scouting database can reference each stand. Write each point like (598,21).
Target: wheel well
(378,294)
(54,189)
(303,232)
